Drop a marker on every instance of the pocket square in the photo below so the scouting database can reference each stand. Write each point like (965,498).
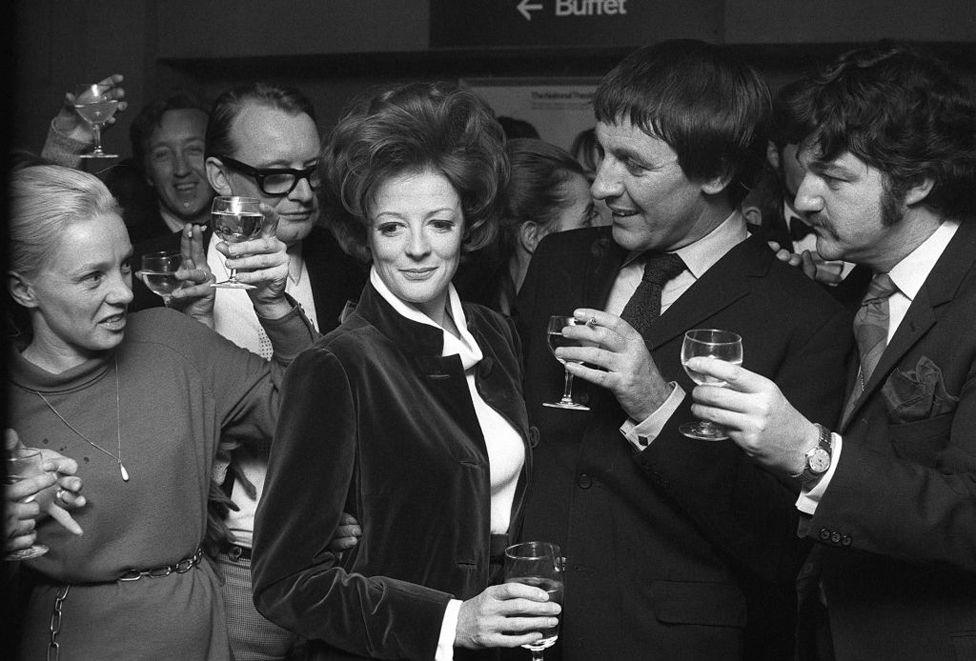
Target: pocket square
(917,394)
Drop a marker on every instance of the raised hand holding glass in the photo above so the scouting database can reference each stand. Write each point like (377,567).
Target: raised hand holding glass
(94,106)
(710,343)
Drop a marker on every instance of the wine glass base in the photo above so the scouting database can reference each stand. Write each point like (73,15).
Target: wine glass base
(703,432)
(26,554)
(572,406)
(230,284)
(98,155)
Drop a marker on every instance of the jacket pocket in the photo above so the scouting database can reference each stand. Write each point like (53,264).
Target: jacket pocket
(921,441)
(682,602)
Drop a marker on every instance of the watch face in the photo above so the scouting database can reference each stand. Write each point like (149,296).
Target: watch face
(819,461)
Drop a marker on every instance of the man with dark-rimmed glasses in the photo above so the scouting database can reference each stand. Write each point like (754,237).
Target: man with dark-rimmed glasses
(262,142)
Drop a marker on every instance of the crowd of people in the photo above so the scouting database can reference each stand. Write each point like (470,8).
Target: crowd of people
(332,463)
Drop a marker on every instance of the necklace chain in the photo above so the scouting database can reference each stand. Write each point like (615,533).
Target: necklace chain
(118,425)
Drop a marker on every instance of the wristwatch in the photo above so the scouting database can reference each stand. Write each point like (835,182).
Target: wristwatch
(817,459)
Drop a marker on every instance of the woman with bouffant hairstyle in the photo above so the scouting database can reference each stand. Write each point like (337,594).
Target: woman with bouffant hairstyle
(410,415)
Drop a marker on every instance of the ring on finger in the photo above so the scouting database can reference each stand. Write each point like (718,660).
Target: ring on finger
(59,494)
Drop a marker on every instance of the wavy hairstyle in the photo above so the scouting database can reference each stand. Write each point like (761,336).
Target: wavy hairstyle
(414,128)
(708,106)
(901,111)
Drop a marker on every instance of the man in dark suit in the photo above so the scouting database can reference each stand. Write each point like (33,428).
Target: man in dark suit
(890,495)
(263,142)
(677,548)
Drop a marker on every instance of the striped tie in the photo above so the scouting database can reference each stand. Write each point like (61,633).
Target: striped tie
(871,333)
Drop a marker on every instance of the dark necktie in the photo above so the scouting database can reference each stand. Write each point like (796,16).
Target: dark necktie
(871,333)
(645,305)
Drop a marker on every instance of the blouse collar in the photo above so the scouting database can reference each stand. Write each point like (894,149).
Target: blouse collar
(464,346)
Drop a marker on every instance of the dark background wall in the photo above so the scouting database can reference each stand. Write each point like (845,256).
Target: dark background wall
(334,49)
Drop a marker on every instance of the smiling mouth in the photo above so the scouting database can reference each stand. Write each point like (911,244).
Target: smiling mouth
(114,320)
(418,274)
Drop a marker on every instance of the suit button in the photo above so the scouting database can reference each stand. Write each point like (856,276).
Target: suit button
(583,481)
(835,538)
(824,534)
(845,540)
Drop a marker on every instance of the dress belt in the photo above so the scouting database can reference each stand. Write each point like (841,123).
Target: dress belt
(181,567)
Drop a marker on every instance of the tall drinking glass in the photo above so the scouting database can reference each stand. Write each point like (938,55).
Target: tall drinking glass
(20,466)
(540,565)
(235,220)
(556,339)
(96,108)
(710,343)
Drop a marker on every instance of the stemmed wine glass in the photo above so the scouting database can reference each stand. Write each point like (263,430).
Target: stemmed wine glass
(710,343)
(96,108)
(159,273)
(540,565)
(20,466)
(236,219)
(556,339)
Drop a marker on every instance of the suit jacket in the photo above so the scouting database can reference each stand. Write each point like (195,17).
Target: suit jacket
(375,422)
(685,550)
(897,522)
(335,277)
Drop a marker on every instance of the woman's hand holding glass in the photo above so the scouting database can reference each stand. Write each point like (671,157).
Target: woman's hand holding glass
(507,615)
(50,492)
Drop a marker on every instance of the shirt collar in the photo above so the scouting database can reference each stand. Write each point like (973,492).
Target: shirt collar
(703,253)
(465,346)
(910,273)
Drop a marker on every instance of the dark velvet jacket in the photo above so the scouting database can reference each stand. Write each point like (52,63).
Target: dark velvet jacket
(375,422)
(686,550)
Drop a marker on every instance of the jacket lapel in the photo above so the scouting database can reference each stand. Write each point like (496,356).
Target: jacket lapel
(719,287)
(601,270)
(940,287)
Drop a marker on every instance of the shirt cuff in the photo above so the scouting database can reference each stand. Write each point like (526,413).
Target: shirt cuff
(810,497)
(445,642)
(641,434)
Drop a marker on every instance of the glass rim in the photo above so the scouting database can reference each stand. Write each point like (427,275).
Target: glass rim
(733,337)
(552,548)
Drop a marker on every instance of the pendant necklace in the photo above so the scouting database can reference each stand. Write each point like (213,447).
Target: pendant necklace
(118,425)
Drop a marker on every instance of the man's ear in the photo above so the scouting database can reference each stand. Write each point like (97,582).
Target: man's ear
(529,235)
(919,191)
(716,184)
(217,176)
(20,289)
(772,155)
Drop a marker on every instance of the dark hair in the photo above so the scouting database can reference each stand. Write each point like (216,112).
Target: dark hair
(900,111)
(786,125)
(414,128)
(586,149)
(517,128)
(231,102)
(536,189)
(701,100)
(150,118)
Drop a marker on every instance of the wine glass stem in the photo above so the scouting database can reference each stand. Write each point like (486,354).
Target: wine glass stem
(97,134)
(568,387)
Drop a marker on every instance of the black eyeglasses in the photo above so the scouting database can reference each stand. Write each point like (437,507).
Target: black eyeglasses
(276,182)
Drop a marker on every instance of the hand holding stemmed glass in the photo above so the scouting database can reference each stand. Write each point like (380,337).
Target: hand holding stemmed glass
(715,344)
(96,104)
(159,271)
(540,565)
(37,482)
(237,219)
(556,339)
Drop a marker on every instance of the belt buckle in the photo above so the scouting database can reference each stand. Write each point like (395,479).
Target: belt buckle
(235,552)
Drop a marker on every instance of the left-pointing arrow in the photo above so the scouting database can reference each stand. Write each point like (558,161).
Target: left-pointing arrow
(525,7)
